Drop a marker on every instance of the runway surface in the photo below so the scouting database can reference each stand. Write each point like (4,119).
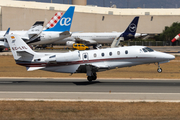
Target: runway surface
(82,90)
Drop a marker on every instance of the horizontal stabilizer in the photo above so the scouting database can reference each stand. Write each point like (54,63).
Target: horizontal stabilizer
(34,68)
(86,41)
(24,54)
(65,33)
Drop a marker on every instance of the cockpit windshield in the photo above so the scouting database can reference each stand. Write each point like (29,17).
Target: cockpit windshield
(146,49)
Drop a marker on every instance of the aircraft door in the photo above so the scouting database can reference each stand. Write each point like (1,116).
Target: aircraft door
(85,57)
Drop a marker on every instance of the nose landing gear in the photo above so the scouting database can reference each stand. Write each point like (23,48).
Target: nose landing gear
(159,70)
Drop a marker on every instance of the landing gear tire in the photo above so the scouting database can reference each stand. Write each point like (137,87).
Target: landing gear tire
(90,78)
(159,70)
(94,77)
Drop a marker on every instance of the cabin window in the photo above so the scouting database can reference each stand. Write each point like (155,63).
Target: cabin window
(95,55)
(126,52)
(102,54)
(118,52)
(110,53)
(85,56)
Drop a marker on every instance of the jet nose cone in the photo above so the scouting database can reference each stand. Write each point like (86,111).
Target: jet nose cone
(169,57)
(172,57)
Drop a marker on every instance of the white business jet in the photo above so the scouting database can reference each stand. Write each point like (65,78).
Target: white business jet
(88,62)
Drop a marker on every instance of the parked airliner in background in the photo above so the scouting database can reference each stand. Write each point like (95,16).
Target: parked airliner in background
(100,38)
(88,62)
(25,35)
(57,29)
(60,31)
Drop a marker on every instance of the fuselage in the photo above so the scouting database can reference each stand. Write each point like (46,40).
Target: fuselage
(20,33)
(103,59)
(44,37)
(48,37)
(95,37)
(5,44)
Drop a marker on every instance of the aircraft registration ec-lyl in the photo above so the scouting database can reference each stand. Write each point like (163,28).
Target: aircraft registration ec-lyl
(88,62)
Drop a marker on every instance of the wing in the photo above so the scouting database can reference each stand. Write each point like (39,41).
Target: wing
(94,67)
(85,41)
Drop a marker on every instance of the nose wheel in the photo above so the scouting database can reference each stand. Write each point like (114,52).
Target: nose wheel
(159,70)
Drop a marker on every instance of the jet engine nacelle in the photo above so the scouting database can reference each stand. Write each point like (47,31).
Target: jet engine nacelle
(70,43)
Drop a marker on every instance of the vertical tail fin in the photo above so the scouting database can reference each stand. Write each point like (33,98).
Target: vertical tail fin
(64,24)
(20,50)
(7,32)
(54,20)
(131,29)
(35,30)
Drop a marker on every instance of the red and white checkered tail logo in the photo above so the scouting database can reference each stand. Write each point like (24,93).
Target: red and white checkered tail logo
(54,20)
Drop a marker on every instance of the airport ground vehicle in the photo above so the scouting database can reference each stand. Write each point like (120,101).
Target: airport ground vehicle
(79,46)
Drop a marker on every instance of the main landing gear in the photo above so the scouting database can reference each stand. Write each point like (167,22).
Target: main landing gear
(91,73)
(89,70)
(159,70)
(92,77)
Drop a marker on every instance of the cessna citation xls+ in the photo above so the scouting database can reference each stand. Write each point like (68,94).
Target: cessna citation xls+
(89,62)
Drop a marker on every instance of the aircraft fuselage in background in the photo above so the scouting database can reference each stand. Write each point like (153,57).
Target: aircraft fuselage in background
(92,38)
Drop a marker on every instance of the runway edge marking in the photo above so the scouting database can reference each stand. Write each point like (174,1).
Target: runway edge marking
(90,100)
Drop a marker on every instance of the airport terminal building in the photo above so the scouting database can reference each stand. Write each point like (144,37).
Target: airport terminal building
(21,15)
